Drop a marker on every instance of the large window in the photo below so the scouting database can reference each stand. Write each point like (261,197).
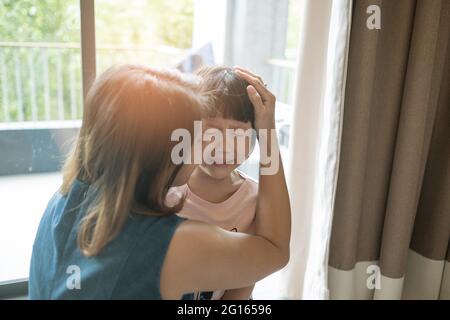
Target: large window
(40,97)
(139,31)
(265,38)
(42,76)
(40,60)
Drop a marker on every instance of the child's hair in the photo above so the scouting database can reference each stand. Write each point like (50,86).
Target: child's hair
(228,92)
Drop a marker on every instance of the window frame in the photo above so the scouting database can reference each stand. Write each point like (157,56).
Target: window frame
(18,288)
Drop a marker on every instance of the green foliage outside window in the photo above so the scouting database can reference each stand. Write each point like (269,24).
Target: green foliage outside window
(133,23)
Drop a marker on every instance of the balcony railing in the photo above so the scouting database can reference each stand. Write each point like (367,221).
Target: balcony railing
(42,81)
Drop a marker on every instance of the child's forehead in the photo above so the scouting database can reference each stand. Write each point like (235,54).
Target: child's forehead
(219,122)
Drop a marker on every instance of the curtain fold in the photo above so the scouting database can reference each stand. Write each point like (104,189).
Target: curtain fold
(314,146)
(391,225)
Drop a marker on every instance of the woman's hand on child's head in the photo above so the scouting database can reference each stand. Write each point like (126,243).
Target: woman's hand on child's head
(262,99)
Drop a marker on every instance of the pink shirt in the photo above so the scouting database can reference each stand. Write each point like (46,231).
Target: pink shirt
(237,213)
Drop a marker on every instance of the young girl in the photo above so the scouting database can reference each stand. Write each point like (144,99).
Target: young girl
(218,193)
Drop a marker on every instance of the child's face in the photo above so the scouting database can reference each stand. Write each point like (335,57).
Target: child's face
(237,152)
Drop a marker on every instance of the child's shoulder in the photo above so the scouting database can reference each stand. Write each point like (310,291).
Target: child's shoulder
(252,183)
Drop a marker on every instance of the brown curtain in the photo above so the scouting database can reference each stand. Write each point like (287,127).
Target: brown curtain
(391,221)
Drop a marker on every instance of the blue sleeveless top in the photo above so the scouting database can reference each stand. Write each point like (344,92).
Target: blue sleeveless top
(128,267)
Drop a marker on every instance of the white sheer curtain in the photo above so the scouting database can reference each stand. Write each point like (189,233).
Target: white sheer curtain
(315,143)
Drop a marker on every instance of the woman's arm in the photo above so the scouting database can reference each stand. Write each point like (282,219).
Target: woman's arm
(203,257)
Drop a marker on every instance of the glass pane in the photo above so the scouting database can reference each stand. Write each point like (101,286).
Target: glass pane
(40,108)
(155,32)
(263,37)
(269,47)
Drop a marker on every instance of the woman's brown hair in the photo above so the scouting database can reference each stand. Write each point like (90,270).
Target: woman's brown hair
(124,146)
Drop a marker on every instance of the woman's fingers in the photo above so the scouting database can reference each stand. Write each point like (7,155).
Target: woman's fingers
(255,98)
(249,72)
(262,99)
(264,114)
(265,94)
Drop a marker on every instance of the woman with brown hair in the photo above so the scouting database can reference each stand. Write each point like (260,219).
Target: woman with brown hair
(108,234)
